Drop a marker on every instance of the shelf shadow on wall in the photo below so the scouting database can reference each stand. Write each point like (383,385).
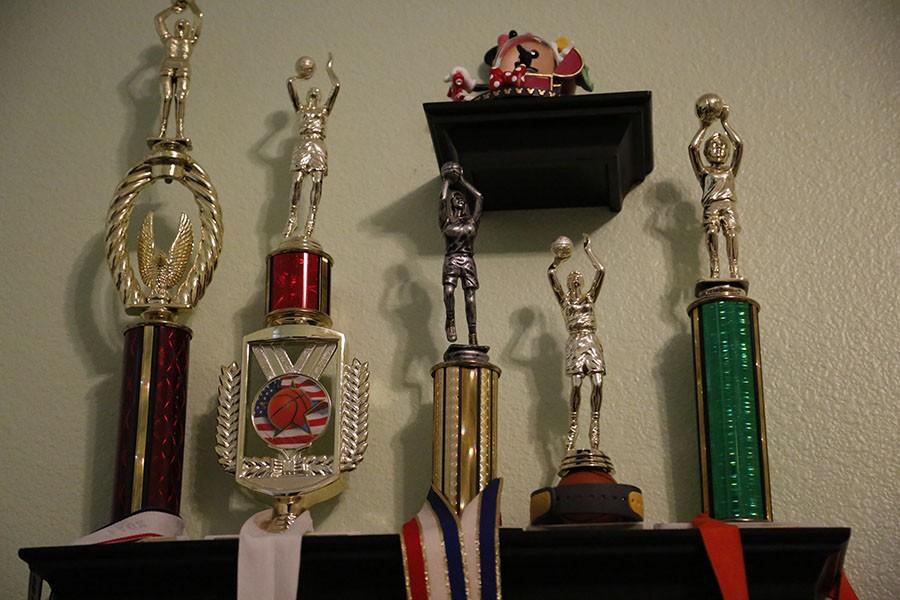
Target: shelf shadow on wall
(535,350)
(414,218)
(407,306)
(674,223)
(100,350)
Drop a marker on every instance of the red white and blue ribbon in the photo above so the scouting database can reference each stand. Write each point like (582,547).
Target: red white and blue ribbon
(446,557)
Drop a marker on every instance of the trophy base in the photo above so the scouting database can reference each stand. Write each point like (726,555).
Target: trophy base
(587,495)
(299,243)
(467,353)
(721,287)
(287,508)
(584,458)
(156,143)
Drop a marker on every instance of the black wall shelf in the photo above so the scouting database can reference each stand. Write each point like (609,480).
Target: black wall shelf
(526,153)
(567,562)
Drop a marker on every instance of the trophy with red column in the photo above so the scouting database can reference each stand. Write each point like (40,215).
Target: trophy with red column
(292,416)
(170,283)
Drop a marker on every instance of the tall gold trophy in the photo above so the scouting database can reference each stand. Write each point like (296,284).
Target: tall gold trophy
(466,383)
(171,283)
(293,416)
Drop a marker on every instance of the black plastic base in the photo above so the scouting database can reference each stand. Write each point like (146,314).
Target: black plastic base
(587,503)
(570,563)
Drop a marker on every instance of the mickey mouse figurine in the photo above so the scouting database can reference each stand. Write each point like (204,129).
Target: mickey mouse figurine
(523,65)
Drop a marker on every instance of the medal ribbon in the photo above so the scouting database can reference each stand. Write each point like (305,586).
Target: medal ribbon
(726,555)
(446,557)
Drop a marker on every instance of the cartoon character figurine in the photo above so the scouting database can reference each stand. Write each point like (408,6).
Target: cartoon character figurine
(524,65)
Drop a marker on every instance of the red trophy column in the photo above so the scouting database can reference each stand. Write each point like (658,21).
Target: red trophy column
(299,285)
(151,427)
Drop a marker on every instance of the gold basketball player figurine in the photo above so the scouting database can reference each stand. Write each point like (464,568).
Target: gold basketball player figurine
(717,181)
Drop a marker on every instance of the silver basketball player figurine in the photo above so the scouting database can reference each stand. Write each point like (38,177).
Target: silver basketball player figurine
(717,180)
(174,73)
(459,223)
(310,158)
(584,355)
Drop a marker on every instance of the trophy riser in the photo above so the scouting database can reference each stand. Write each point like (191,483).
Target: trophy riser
(152,420)
(298,286)
(730,409)
(464,457)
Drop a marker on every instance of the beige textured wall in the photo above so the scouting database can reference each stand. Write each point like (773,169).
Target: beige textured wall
(810,84)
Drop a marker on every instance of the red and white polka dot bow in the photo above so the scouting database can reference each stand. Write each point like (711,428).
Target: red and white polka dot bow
(503,79)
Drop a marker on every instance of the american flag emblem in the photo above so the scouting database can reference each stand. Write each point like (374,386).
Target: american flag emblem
(291,411)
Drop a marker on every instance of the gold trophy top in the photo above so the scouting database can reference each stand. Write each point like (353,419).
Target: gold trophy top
(175,279)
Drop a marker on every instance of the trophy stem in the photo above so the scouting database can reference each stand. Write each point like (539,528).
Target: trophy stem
(734,465)
(151,426)
(284,513)
(466,391)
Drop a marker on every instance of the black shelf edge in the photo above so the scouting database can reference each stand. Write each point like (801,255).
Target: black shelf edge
(526,153)
(569,562)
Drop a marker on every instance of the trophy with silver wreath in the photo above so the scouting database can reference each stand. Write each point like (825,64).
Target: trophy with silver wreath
(154,386)
(292,415)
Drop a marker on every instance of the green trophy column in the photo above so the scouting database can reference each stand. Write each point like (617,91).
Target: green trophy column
(730,411)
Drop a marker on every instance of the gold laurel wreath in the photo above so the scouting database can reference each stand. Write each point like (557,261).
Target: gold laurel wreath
(229,404)
(354,414)
(312,466)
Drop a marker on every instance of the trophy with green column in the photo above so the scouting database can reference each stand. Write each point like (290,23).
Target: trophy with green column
(734,462)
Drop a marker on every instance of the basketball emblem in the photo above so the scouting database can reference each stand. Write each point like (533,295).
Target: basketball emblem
(291,411)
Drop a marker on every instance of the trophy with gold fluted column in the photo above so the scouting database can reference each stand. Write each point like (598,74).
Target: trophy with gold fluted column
(292,416)
(587,491)
(734,464)
(466,384)
(171,282)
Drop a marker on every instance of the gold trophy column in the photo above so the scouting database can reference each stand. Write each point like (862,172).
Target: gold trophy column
(464,458)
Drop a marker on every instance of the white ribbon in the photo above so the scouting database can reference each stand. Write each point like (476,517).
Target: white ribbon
(269,563)
(145,524)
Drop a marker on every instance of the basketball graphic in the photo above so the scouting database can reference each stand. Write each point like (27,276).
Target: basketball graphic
(291,411)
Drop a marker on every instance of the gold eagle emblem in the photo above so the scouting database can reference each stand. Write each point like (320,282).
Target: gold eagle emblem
(161,271)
